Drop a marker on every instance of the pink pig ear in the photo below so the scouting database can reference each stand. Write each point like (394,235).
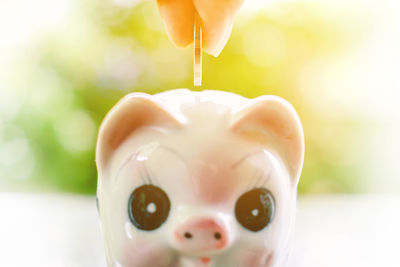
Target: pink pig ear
(131,113)
(271,121)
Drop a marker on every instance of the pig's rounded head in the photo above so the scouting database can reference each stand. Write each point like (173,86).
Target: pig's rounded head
(198,179)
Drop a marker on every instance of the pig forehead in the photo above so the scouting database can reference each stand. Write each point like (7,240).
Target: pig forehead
(219,153)
(207,140)
(225,158)
(215,175)
(200,152)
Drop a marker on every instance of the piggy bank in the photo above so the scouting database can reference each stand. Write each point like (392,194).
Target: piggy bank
(198,179)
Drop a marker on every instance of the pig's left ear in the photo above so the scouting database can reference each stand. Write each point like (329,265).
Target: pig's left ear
(133,112)
(271,121)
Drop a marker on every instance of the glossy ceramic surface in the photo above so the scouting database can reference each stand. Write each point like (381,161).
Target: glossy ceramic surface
(198,179)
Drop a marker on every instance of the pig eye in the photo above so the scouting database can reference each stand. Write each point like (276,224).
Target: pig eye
(148,207)
(254,209)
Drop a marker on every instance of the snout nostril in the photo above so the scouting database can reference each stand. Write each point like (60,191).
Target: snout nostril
(188,235)
(217,235)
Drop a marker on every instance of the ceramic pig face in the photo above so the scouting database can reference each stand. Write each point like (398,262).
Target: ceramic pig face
(198,179)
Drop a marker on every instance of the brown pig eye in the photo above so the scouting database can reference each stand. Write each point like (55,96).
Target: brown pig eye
(148,207)
(254,209)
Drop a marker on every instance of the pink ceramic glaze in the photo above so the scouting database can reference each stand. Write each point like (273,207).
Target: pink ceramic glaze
(198,179)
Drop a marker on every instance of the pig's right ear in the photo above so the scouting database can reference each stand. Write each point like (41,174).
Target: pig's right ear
(272,121)
(131,113)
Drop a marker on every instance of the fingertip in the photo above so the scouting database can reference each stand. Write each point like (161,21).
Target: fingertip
(214,40)
(217,19)
(178,18)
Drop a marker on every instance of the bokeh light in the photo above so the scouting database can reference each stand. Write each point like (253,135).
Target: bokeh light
(64,64)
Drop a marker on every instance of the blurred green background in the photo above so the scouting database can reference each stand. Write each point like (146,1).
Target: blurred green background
(64,64)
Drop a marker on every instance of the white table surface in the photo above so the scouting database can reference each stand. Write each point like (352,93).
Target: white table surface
(52,230)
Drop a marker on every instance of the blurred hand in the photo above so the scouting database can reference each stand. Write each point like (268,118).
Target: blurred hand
(216,16)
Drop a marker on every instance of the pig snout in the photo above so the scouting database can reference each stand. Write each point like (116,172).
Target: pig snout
(201,236)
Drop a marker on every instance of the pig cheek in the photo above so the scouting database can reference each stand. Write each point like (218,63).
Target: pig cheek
(259,259)
(142,254)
